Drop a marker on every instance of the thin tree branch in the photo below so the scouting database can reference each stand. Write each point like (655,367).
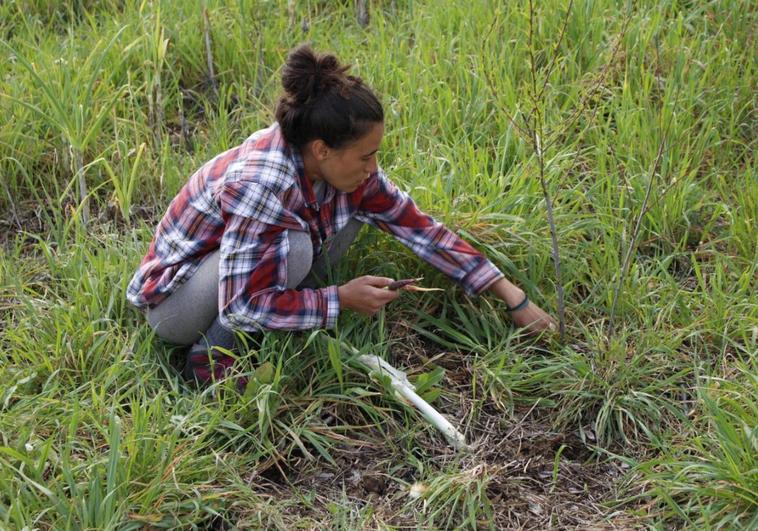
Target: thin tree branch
(491,86)
(594,89)
(533,69)
(12,205)
(523,132)
(537,134)
(555,49)
(553,234)
(209,52)
(78,168)
(637,225)
(534,130)
(361,7)
(291,12)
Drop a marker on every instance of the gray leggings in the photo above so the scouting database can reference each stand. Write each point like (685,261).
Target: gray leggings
(187,314)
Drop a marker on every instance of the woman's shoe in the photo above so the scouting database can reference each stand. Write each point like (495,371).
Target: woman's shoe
(205,366)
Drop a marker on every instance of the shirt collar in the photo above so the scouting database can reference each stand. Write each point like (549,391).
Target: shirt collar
(305,184)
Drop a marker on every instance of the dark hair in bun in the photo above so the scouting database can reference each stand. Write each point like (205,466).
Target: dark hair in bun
(322,101)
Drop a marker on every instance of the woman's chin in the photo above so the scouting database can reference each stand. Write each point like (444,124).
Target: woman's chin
(350,188)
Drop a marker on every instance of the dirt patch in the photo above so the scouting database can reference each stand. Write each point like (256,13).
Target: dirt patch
(535,478)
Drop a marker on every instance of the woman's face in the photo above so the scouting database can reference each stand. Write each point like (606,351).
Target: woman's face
(348,167)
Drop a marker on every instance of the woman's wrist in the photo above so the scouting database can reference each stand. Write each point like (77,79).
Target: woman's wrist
(508,292)
(343,295)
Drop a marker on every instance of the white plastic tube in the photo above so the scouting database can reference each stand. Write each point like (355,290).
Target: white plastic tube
(406,389)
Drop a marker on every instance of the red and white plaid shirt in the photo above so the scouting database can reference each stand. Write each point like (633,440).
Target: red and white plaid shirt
(245,200)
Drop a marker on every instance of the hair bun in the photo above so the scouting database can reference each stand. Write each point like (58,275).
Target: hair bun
(321,101)
(306,74)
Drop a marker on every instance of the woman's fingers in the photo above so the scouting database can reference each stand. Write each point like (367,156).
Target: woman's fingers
(534,319)
(377,282)
(366,294)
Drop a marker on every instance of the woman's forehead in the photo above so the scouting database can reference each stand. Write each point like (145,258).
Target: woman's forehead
(369,143)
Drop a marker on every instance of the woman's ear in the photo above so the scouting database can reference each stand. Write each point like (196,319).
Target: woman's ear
(319,149)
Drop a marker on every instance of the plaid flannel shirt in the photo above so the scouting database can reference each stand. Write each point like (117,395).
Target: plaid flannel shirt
(244,202)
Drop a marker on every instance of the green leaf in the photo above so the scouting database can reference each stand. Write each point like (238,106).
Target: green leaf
(251,390)
(431,395)
(426,380)
(336,360)
(265,373)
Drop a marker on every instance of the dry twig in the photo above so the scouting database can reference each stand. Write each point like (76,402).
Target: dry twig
(361,7)
(209,52)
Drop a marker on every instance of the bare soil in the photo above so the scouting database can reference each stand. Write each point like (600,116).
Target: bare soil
(536,478)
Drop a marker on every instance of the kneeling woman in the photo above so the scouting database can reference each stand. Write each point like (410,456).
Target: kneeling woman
(243,244)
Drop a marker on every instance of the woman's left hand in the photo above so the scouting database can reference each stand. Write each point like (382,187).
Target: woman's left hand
(530,316)
(534,319)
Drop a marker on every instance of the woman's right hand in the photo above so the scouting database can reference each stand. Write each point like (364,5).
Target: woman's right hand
(367,294)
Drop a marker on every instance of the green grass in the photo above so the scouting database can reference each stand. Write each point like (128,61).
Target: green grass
(111,101)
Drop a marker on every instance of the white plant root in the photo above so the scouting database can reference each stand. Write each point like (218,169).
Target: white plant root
(406,389)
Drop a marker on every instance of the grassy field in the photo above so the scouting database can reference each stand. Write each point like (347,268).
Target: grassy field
(635,122)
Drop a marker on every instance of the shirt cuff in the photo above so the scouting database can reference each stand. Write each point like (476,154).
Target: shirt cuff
(481,277)
(332,305)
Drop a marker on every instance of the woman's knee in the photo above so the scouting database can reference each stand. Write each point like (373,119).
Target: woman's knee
(188,312)
(165,327)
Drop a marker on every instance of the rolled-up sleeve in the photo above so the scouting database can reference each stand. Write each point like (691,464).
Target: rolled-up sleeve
(253,292)
(386,207)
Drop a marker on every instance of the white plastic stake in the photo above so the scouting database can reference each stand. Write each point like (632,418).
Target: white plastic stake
(406,389)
